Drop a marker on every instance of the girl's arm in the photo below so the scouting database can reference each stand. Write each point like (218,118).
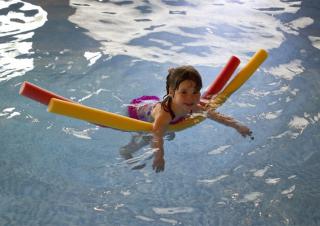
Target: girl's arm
(231,122)
(160,125)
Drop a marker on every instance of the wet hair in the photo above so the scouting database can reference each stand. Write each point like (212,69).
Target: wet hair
(174,78)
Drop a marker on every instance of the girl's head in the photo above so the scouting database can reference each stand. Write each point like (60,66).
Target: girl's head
(183,86)
(177,75)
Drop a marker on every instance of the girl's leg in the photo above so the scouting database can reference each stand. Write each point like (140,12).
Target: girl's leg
(137,142)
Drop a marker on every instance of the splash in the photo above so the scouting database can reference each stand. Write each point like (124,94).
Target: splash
(299,123)
(92,57)
(144,218)
(272,181)
(261,172)
(212,181)
(289,192)
(219,150)
(82,134)
(252,197)
(9,113)
(172,210)
(271,115)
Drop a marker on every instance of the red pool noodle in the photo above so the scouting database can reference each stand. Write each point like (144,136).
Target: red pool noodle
(225,74)
(38,94)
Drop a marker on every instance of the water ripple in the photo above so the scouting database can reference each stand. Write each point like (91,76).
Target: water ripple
(287,71)
(18,21)
(18,17)
(160,33)
(172,210)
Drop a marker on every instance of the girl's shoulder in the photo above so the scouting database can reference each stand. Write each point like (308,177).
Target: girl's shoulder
(159,112)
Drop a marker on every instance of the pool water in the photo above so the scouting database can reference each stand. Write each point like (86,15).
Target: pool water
(56,170)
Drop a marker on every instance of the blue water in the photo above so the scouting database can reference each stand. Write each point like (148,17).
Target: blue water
(60,171)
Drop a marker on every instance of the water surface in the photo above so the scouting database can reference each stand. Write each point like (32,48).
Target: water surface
(60,171)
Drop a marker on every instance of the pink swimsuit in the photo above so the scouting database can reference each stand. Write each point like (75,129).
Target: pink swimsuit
(141,108)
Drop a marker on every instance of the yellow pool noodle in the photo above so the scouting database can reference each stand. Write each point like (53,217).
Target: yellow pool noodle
(120,122)
(97,116)
(108,119)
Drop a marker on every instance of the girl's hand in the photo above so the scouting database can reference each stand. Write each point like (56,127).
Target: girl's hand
(244,131)
(158,163)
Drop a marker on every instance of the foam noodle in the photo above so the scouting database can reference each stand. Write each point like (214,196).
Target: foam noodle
(222,78)
(108,119)
(243,75)
(39,94)
(96,116)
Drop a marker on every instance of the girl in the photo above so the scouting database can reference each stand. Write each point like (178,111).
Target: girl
(183,86)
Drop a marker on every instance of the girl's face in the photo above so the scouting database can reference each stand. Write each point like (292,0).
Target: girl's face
(186,97)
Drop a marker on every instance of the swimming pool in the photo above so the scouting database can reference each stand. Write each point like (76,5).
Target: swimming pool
(60,171)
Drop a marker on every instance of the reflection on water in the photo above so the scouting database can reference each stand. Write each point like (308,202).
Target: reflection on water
(18,22)
(158,30)
(60,171)
(287,71)
(20,17)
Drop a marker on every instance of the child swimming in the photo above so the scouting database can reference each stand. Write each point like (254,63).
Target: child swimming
(183,86)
